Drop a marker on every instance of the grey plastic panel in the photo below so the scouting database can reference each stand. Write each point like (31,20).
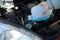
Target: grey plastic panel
(13,33)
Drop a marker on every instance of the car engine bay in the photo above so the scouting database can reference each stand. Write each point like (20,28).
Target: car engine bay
(48,29)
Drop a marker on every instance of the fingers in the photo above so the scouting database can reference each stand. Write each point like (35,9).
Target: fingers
(41,4)
(45,5)
(46,8)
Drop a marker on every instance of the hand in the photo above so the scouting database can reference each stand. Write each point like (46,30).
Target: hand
(45,4)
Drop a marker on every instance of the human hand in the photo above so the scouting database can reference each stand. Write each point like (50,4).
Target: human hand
(45,4)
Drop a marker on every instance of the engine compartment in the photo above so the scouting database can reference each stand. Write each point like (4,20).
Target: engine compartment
(48,29)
